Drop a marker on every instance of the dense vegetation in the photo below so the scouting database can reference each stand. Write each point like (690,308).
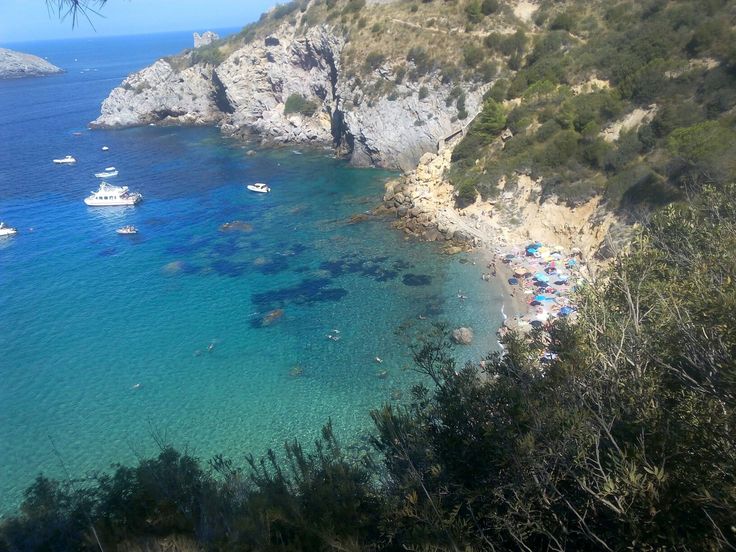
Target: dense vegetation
(620,439)
(675,61)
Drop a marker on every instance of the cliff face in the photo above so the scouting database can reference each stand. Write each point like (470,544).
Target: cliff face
(424,203)
(15,65)
(247,92)
(160,94)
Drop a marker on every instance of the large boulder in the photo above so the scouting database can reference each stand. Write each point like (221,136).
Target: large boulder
(462,336)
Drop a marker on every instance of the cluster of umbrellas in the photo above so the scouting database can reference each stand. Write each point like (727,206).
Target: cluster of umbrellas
(544,272)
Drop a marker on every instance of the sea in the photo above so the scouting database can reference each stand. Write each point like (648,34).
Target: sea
(214,338)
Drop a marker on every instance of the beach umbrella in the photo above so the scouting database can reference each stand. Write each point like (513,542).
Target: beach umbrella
(566,311)
(539,298)
(513,281)
(520,271)
(541,277)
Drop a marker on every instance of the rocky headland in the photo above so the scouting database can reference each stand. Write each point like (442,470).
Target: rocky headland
(15,65)
(250,92)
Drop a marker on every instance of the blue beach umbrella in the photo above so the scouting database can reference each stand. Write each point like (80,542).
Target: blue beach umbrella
(513,281)
(566,311)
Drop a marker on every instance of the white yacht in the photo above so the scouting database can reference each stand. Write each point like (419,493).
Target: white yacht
(109,172)
(7,230)
(105,148)
(68,160)
(127,230)
(110,196)
(259,187)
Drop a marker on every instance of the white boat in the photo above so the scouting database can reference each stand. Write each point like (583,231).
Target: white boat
(127,230)
(110,196)
(259,187)
(68,160)
(109,172)
(105,148)
(7,230)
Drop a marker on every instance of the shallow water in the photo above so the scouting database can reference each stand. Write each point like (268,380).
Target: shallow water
(105,338)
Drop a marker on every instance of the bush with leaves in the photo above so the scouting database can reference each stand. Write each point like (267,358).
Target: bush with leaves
(296,103)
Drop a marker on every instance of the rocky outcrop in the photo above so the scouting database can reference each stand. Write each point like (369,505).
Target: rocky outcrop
(258,79)
(161,94)
(15,65)
(423,202)
(247,93)
(462,336)
(205,39)
(396,130)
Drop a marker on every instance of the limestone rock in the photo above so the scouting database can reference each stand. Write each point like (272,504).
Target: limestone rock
(247,92)
(205,39)
(462,336)
(15,65)
(160,94)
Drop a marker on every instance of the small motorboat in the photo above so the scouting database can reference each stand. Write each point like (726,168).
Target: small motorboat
(105,148)
(109,172)
(127,230)
(68,160)
(7,230)
(259,187)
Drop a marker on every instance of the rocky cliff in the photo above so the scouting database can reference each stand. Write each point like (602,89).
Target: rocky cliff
(424,203)
(15,65)
(249,91)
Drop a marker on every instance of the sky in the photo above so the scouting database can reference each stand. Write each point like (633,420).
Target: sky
(29,20)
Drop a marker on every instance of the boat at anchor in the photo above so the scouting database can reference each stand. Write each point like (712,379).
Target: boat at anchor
(111,196)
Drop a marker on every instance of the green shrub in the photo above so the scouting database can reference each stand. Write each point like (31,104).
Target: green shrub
(399,73)
(210,54)
(513,44)
(487,71)
(353,6)
(296,103)
(472,55)
(473,11)
(466,193)
(450,73)
(489,7)
(422,61)
(498,91)
(374,60)
(564,21)
(423,92)
(282,10)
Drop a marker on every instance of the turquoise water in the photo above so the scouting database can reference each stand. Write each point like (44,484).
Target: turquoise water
(105,338)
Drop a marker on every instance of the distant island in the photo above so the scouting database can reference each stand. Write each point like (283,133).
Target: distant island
(15,65)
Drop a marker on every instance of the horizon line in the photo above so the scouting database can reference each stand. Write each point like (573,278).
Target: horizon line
(4,43)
